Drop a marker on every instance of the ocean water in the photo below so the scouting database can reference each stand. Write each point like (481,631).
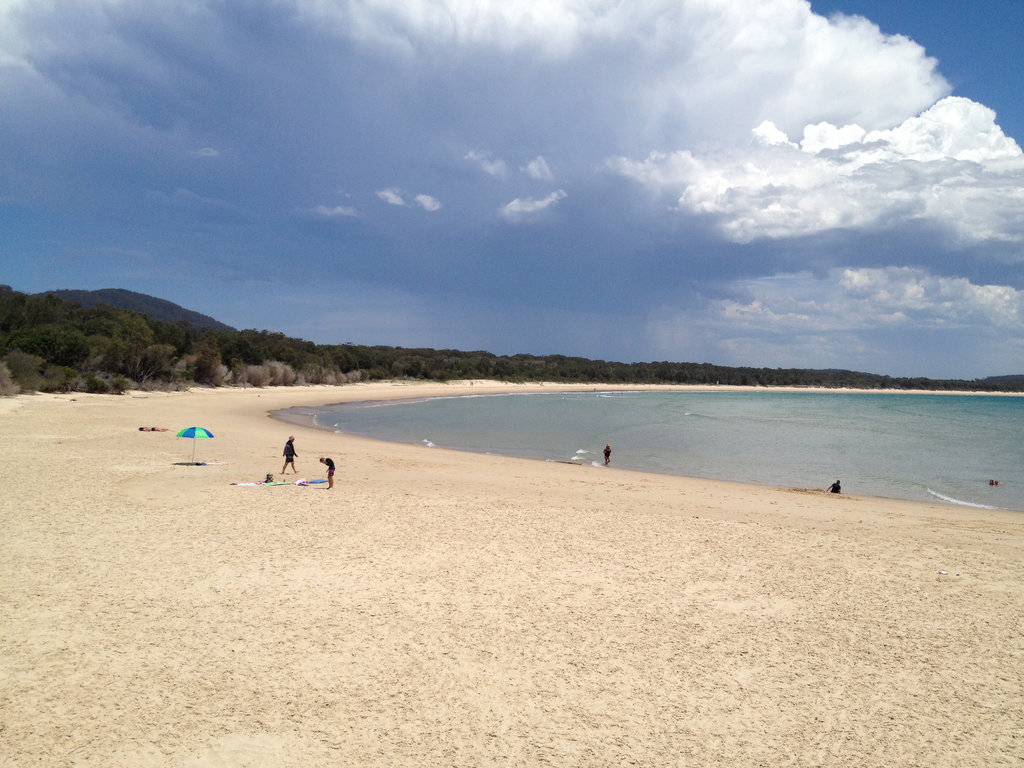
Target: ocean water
(935,448)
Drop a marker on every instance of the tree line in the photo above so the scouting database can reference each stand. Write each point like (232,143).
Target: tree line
(49,344)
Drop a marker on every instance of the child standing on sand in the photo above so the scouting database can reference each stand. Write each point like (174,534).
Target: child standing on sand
(330,471)
(289,455)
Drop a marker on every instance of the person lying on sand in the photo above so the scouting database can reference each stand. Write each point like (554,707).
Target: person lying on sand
(152,429)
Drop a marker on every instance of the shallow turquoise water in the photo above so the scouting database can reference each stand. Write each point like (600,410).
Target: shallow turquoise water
(938,448)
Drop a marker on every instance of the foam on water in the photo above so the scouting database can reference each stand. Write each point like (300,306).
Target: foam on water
(958,502)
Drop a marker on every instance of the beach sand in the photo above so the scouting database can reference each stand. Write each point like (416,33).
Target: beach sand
(440,608)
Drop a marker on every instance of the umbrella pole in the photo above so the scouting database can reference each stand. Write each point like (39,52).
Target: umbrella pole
(193,450)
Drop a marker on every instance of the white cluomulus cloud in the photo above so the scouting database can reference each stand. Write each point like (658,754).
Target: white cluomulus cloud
(538,169)
(951,165)
(334,211)
(521,207)
(391,196)
(487,163)
(427,202)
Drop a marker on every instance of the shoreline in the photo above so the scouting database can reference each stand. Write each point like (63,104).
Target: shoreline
(444,608)
(490,386)
(305,416)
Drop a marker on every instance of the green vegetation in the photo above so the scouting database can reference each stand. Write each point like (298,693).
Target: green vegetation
(53,345)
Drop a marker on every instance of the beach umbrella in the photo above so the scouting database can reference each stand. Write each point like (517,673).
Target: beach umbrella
(196,433)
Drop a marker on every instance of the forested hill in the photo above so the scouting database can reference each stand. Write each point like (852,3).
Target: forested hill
(150,306)
(48,343)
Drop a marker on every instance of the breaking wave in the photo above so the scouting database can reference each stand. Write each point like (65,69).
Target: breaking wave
(958,502)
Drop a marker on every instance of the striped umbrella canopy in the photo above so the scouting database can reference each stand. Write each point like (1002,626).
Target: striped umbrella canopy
(196,433)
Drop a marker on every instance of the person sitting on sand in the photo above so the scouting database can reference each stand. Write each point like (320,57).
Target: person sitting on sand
(834,488)
(152,429)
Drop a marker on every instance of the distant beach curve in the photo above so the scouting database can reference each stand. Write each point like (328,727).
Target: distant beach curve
(915,446)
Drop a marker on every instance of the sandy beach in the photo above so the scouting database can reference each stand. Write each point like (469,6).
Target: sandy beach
(439,608)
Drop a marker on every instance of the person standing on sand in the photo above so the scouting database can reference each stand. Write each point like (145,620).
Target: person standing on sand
(607,454)
(289,455)
(330,471)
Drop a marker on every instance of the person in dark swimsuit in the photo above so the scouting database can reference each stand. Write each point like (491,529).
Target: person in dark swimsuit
(289,456)
(330,471)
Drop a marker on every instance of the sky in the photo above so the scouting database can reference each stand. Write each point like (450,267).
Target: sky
(779,183)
